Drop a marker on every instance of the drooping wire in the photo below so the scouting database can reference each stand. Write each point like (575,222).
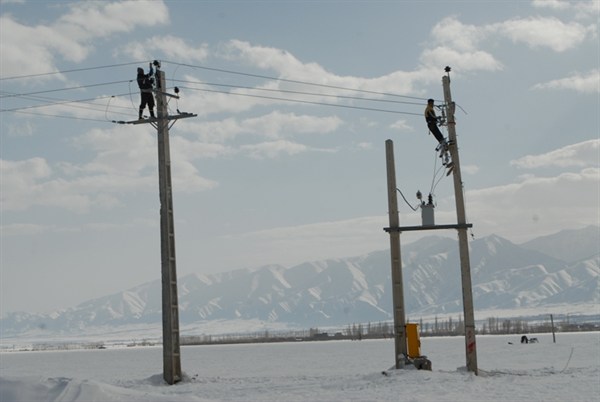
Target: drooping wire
(63,89)
(61,102)
(303,101)
(59,116)
(436,172)
(406,201)
(293,81)
(130,96)
(297,92)
(23,95)
(15,77)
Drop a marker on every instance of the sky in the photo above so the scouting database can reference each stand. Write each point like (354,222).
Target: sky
(285,161)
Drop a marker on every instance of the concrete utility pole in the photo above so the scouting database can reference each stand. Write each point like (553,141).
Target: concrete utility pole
(397,285)
(170,304)
(465,265)
(428,224)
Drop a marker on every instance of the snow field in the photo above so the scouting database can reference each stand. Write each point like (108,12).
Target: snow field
(321,371)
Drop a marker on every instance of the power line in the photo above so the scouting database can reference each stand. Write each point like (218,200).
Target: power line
(304,101)
(65,102)
(15,77)
(59,101)
(293,81)
(298,92)
(60,116)
(65,89)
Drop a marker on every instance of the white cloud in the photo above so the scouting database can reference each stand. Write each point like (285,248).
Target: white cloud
(96,20)
(22,229)
(34,49)
(459,45)
(273,125)
(580,82)
(463,61)
(469,169)
(451,32)
(520,211)
(401,125)
(125,161)
(287,66)
(191,150)
(583,8)
(288,245)
(29,182)
(552,4)
(537,205)
(21,129)
(172,47)
(544,32)
(583,154)
(277,124)
(122,150)
(273,149)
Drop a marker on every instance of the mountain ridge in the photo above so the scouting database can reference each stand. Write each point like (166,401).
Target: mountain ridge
(344,290)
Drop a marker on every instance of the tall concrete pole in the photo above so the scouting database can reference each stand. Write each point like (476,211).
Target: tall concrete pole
(170,305)
(397,286)
(465,265)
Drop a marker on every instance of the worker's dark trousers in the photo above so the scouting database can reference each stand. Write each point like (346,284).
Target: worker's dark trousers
(436,132)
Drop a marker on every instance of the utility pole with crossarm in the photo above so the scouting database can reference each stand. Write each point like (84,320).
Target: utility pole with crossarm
(461,226)
(463,243)
(170,305)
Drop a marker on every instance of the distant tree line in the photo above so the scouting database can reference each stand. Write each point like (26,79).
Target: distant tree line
(385,329)
(358,331)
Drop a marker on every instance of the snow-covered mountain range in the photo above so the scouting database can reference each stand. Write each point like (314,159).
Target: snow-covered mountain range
(559,269)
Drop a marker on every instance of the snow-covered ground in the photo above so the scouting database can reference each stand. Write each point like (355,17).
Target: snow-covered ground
(568,370)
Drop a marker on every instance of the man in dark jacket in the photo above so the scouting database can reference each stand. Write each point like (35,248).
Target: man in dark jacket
(432,122)
(145,82)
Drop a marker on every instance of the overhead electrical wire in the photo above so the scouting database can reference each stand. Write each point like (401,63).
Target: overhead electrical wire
(292,81)
(59,116)
(16,77)
(64,89)
(62,102)
(406,201)
(296,92)
(59,101)
(302,101)
(283,91)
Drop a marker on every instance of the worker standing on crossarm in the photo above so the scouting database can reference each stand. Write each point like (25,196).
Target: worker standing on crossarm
(432,122)
(145,82)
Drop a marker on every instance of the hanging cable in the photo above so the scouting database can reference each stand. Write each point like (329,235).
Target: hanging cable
(59,116)
(436,171)
(62,102)
(63,89)
(298,92)
(303,101)
(406,201)
(16,77)
(293,81)
(59,101)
